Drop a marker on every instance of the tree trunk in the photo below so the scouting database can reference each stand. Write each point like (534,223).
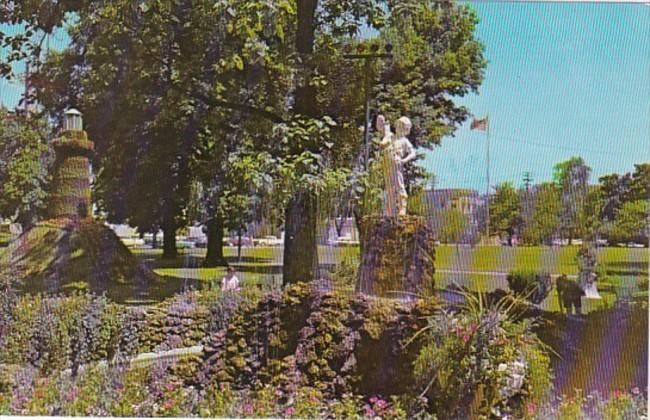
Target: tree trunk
(169,240)
(214,256)
(239,244)
(300,250)
(154,239)
(359,225)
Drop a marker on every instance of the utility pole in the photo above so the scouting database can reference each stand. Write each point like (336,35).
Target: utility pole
(487,228)
(528,179)
(368,58)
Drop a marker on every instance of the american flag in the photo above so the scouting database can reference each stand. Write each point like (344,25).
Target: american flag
(481,124)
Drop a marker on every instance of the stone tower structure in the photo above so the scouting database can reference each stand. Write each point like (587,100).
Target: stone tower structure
(70,250)
(70,194)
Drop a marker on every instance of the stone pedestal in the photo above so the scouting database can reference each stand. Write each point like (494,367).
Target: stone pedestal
(397,256)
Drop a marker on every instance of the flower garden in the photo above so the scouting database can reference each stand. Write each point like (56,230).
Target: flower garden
(299,352)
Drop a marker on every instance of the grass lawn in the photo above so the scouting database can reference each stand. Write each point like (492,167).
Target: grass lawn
(626,267)
(5,238)
(268,260)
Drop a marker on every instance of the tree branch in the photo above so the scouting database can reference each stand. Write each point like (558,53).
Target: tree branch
(240,107)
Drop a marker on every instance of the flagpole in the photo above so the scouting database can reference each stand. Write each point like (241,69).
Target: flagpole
(487,229)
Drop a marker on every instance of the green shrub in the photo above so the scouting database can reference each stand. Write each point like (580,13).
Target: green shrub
(530,285)
(345,275)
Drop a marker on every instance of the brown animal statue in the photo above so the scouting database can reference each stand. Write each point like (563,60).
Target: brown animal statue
(569,295)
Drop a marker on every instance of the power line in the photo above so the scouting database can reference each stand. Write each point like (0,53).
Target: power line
(552,146)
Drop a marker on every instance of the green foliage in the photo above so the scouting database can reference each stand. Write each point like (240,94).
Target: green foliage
(345,275)
(505,215)
(572,177)
(530,285)
(23,166)
(615,190)
(640,186)
(631,222)
(545,220)
(433,45)
(453,223)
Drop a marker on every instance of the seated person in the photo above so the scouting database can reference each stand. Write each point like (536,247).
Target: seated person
(230,282)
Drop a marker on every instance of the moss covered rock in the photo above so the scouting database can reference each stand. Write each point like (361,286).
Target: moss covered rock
(397,255)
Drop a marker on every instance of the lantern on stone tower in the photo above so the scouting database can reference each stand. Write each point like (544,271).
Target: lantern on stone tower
(70,197)
(72,120)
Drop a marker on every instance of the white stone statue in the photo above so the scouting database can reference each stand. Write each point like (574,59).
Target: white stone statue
(397,150)
(589,287)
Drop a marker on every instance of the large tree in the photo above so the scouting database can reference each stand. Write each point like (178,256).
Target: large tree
(572,176)
(505,211)
(24,157)
(632,222)
(149,75)
(545,221)
(640,186)
(156,81)
(615,190)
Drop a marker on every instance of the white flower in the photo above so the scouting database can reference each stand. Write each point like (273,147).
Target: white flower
(519,365)
(502,367)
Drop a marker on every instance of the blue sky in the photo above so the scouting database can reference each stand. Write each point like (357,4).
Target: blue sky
(562,80)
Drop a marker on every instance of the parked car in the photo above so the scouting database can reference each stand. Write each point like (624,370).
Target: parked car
(635,245)
(269,241)
(345,241)
(245,241)
(201,243)
(184,243)
(133,242)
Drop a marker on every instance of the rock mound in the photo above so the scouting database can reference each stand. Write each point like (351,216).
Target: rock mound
(67,254)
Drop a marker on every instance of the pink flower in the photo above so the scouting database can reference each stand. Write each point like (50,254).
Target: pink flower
(373,400)
(169,387)
(531,408)
(248,408)
(168,404)
(381,404)
(289,412)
